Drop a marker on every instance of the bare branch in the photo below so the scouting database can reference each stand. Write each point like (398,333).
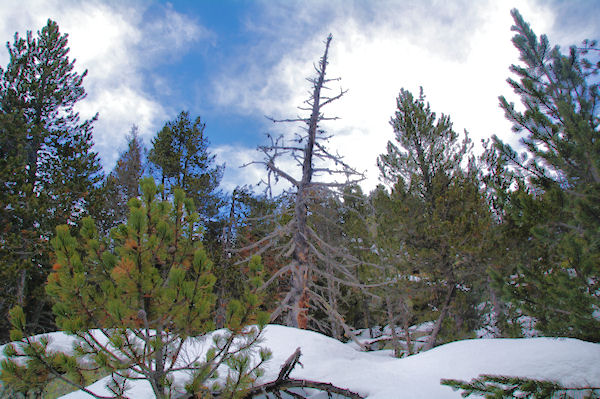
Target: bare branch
(283,383)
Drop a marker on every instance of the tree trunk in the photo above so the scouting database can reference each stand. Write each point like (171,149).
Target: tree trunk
(407,334)
(298,296)
(297,300)
(332,299)
(497,309)
(157,378)
(367,316)
(35,319)
(220,309)
(21,288)
(438,324)
(395,340)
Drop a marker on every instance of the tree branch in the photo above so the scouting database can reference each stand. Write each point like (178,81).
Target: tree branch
(283,383)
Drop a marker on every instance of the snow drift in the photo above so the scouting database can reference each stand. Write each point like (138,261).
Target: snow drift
(377,375)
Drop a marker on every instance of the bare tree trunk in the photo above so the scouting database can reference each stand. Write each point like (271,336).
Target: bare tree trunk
(21,288)
(497,308)
(438,324)
(332,298)
(226,240)
(367,316)
(298,296)
(284,382)
(406,325)
(221,309)
(392,324)
(34,320)
(409,344)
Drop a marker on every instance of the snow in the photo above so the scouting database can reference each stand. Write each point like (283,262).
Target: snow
(569,361)
(377,375)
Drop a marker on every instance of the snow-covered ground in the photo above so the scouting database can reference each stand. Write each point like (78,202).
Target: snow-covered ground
(377,375)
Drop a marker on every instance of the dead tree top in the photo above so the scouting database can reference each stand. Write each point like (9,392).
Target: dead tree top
(308,149)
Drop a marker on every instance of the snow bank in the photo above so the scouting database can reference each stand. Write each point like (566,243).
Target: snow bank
(376,376)
(568,361)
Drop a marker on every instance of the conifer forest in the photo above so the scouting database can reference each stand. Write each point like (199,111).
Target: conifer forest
(137,261)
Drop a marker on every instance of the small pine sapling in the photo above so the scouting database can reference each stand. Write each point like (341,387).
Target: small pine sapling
(136,305)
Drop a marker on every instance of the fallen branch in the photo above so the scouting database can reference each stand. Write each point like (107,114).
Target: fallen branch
(283,383)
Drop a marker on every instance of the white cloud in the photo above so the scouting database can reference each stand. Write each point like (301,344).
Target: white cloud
(119,46)
(243,167)
(458,51)
(235,157)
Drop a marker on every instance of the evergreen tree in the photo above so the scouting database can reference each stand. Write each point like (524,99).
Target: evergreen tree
(258,216)
(50,170)
(110,208)
(406,297)
(357,222)
(145,292)
(558,208)
(130,166)
(442,214)
(180,156)
(505,387)
(223,240)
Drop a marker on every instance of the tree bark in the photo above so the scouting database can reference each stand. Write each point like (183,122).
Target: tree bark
(497,308)
(21,288)
(438,324)
(406,326)
(392,324)
(332,298)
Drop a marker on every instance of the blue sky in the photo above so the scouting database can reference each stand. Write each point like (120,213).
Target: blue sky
(233,62)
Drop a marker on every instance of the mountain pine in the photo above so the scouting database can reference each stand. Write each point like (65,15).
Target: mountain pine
(558,207)
(147,292)
(48,170)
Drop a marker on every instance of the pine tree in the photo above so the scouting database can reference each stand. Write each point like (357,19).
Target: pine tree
(110,206)
(130,166)
(405,297)
(506,387)
(146,292)
(13,210)
(356,214)
(181,157)
(50,170)
(223,238)
(443,215)
(259,215)
(558,209)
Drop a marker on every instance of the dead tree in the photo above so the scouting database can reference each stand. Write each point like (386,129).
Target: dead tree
(321,170)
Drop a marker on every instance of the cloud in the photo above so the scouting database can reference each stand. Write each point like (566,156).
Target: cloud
(243,167)
(120,44)
(235,172)
(458,51)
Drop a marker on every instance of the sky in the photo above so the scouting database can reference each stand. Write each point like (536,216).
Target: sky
(233,62)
